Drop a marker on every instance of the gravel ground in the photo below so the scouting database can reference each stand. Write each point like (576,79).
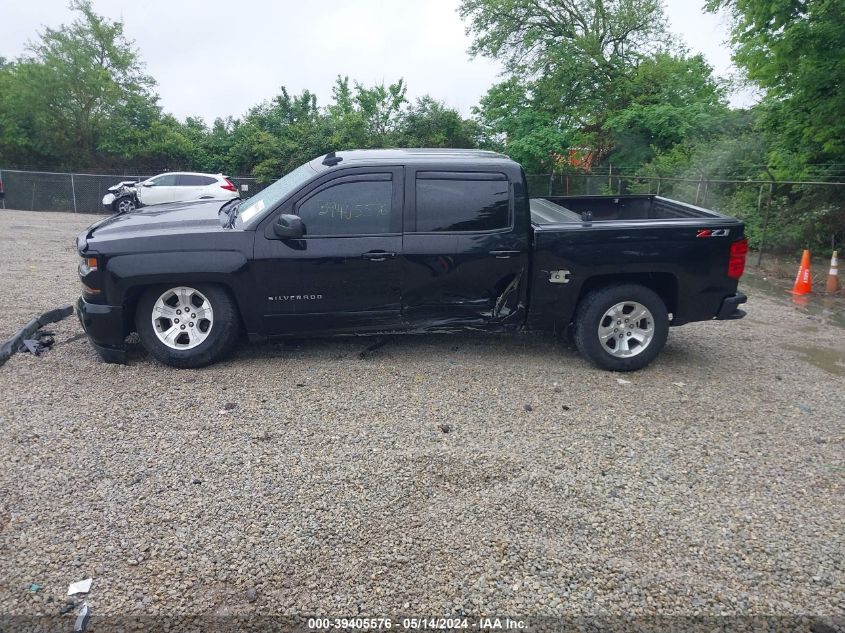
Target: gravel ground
(435,475)
(40,261)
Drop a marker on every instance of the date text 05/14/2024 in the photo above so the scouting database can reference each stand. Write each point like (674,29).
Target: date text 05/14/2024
(417,624)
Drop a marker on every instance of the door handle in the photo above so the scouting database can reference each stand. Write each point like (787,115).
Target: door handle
(378,256)
(504,254)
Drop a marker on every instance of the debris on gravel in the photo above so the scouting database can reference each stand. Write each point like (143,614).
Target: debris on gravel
(333,487)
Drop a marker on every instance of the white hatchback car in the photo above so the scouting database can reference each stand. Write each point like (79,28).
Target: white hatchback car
(178,186)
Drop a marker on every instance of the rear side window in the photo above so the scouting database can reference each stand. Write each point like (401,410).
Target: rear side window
(190,180)
(360,207)
(481,202)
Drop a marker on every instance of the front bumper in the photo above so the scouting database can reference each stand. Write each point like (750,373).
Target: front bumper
(104,327)
(730,307)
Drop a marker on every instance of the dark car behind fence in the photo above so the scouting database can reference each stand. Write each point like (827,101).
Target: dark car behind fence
(77,193)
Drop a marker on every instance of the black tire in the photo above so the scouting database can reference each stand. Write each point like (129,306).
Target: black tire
(222,336)
(591,311)
(124,205)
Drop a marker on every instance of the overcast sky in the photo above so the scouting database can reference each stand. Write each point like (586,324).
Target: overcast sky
(213,58)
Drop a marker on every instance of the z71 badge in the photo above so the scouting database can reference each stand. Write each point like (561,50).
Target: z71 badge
(713,233)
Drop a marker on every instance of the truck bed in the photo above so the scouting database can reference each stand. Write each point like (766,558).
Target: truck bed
(678,249)
(567,209)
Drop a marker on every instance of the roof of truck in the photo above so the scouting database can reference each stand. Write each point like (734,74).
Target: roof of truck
(416,155)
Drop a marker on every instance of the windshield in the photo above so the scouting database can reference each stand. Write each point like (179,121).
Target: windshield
(251,208)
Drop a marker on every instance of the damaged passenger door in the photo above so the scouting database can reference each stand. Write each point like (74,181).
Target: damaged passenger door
(465,249)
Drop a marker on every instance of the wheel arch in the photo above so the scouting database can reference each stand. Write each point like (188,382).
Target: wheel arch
(665,285)
(129,275)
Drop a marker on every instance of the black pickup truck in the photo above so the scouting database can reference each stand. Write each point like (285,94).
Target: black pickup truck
(375,241)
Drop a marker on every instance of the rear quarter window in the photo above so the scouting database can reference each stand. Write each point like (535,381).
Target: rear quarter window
(190,180)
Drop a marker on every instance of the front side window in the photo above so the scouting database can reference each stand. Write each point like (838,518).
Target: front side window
(481,203)
(165,180)
(362,207)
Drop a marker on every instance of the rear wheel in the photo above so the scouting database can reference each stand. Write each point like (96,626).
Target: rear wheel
(187,326)
(621,327)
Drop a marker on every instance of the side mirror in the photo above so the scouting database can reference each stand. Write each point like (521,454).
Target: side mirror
(289,227)
(148,183)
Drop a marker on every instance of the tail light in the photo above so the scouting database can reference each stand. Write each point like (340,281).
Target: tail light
(229,186)
(736,263)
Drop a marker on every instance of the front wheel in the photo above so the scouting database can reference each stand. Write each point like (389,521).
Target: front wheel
(187,326)
(621,327)
(124,205)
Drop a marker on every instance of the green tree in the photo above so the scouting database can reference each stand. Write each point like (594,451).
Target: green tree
(598,75)
(77,85)
(516,120)
(21,143)
(361,116)
(670,99)
(280,134)
(792,50)
(346,121)
(381,107)
(429,123)
(570,62)
(539,36)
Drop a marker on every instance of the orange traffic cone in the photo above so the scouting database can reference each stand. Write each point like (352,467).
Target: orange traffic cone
(833,275)
(803,282)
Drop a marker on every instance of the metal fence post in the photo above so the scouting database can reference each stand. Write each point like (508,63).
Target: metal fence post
(73,191)
(765,219)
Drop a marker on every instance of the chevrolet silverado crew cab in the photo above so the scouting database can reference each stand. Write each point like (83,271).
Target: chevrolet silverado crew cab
(376,241)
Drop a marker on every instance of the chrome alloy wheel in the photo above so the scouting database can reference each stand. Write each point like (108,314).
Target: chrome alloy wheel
(626,329)
(125,205)
(182,318)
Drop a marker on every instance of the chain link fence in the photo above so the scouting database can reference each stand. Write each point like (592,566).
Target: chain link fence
(77,193)
(777,214)
(700,191)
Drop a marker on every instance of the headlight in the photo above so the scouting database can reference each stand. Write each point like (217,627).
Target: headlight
(88,269)
(88,264)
